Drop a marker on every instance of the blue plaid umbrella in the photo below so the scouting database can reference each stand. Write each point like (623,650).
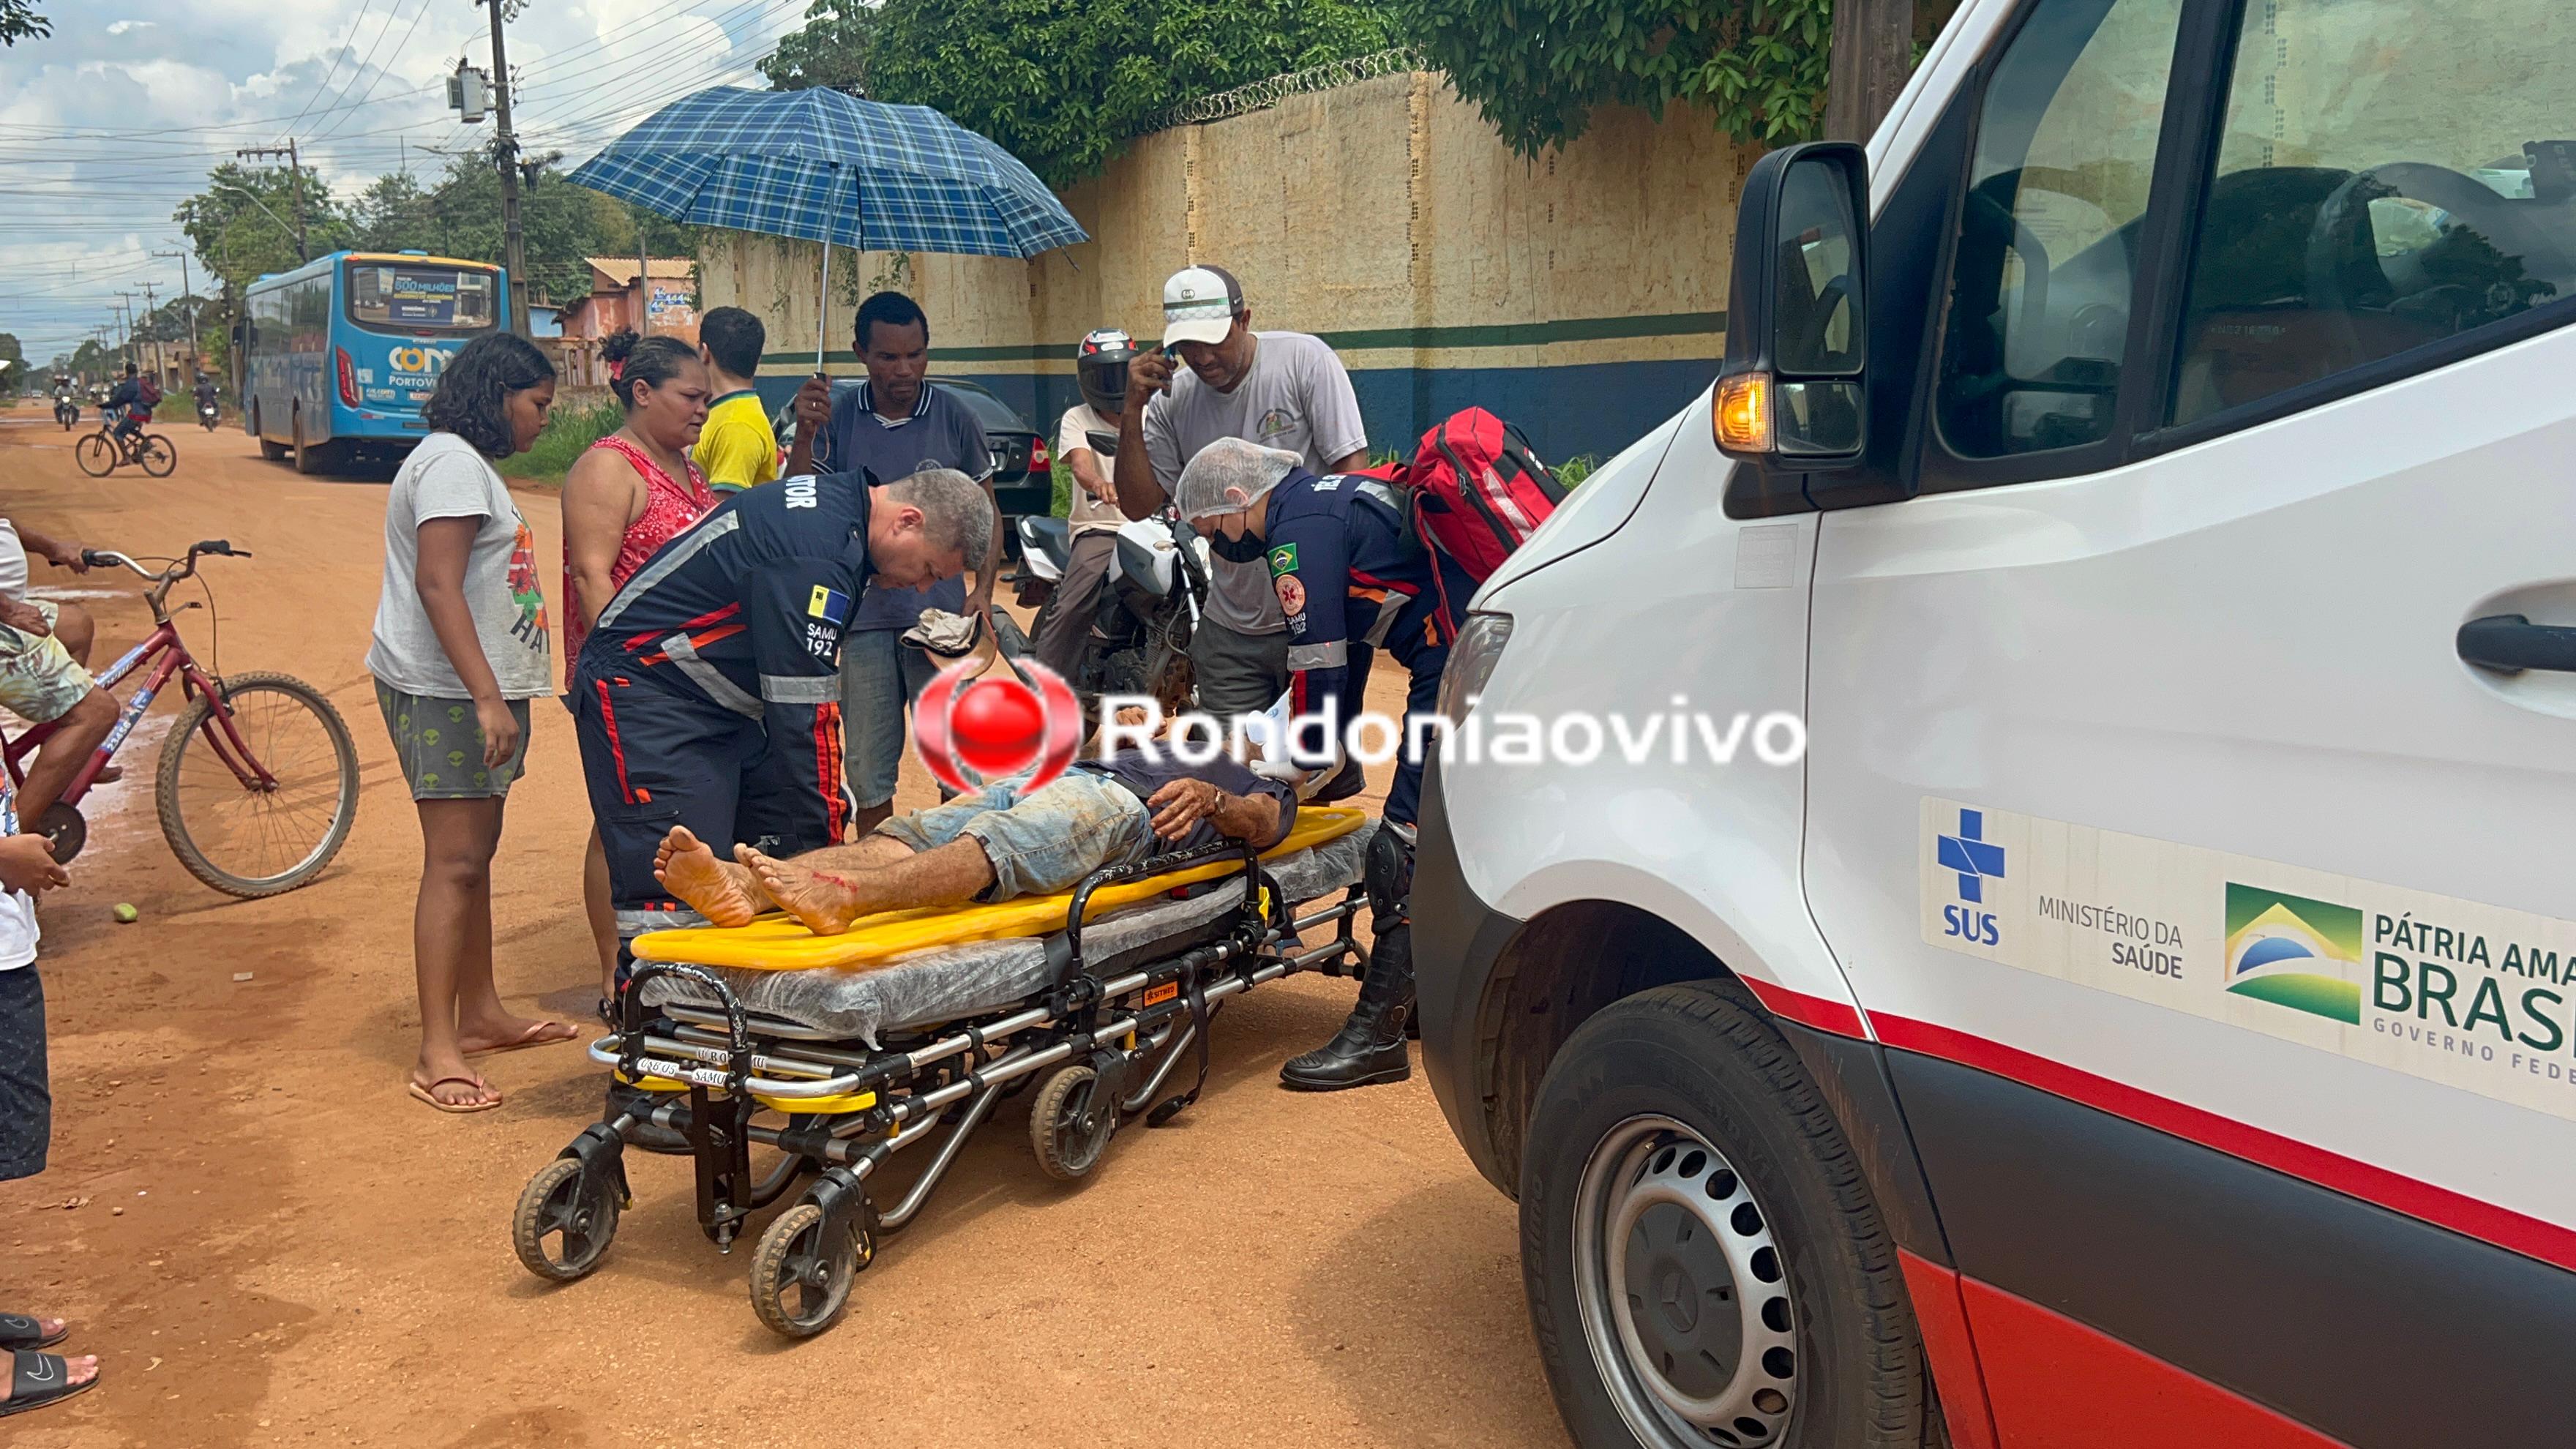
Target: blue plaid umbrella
(828,167)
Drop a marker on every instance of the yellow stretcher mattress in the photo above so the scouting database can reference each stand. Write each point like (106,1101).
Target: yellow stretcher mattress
(778,943)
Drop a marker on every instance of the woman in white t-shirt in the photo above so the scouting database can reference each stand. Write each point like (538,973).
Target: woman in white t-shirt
(460,649)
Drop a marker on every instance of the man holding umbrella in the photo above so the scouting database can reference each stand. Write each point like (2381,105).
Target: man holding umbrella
(893,425)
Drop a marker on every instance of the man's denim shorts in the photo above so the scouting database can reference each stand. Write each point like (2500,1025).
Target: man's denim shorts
(880,678)
(1041,842)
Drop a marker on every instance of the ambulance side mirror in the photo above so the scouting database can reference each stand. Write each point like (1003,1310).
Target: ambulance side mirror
(1793,393)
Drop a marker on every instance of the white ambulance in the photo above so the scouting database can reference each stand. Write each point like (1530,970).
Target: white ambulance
(2147,1013)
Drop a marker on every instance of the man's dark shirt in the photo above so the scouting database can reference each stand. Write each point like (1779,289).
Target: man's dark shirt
(941,432)
(1142,777)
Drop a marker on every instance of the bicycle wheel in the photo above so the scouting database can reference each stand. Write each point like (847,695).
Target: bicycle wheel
(158,455)
(95,454)
(248,841)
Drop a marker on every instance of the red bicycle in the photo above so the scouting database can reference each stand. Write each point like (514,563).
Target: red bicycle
(258,782)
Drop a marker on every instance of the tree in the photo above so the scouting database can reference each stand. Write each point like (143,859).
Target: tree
(1063,84)
(19,21)
(832,49)
(1537,68)
(13,364)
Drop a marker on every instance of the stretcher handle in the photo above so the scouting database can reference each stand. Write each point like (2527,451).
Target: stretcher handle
(737,1025)
(1080,907)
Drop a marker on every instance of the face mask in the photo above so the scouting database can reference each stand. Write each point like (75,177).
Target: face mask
(1244,550)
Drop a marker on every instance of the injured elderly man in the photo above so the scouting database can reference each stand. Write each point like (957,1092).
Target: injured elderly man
(1001,841)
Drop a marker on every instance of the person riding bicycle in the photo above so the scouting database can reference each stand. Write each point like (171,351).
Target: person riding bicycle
(1352,578)
(126,404)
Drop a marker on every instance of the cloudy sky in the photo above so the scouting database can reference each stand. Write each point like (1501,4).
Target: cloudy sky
(106,126)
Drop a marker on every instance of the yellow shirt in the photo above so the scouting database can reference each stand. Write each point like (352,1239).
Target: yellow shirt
(736,449)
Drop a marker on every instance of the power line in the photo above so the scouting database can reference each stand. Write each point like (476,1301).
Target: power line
(344,48)
(393,12)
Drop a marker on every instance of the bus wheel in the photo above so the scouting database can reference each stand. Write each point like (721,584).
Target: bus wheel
(273,452)
(308,456)
(1703,1260)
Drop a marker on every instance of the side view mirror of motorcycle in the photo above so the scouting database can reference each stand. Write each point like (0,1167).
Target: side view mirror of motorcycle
(1793,393)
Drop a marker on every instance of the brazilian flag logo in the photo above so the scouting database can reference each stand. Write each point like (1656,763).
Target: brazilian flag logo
(2294,952)
(1283,560)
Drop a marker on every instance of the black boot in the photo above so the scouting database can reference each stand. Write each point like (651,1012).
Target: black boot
(1369,1048)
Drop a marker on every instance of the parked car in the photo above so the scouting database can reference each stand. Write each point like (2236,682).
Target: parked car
(2143,1015)
(1023,473)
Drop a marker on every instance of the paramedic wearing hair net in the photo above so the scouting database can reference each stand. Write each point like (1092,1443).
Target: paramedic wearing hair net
(1350,580)
(1280,389)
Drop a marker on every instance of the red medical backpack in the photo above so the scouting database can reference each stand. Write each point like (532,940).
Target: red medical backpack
(1478,490)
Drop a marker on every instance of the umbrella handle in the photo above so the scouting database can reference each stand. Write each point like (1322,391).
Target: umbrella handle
(822,313)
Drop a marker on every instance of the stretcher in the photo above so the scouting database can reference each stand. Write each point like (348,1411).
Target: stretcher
(839,1052)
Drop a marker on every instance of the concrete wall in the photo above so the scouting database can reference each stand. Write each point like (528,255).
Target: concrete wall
(1582,295)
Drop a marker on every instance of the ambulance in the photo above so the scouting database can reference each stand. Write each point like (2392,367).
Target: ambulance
(2145,1011)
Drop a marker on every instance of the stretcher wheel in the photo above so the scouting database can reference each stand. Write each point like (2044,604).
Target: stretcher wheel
(577,1210)
(800,1276)
(1069,1125)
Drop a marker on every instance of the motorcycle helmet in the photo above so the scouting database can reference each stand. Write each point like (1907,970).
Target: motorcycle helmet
(1100,365)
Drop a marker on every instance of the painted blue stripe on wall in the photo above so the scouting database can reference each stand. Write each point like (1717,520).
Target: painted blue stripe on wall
(1591,408)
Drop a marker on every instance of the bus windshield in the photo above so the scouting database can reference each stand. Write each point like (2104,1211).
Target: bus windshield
(420,297)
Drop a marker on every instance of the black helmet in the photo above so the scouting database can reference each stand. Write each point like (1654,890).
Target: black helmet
(1100,365)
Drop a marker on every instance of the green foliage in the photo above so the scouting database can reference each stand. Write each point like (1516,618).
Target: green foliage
(19,21)
(1537,68)
(1575,469)
(14,377)
(241,222)
(1063,84)
(569,433)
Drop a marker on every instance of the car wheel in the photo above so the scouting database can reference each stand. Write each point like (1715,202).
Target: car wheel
(1704,1263)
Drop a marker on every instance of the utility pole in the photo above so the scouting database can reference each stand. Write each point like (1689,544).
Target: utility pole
(125,347)
(190,297)
(643,281)
(1873,50)
(295,188)
(159,353)
(505,154)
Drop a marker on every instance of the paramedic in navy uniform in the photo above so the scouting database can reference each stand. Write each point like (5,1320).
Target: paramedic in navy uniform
(1351,580)
(708,694)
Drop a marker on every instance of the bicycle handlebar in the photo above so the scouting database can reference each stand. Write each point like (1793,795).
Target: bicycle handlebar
(109,558)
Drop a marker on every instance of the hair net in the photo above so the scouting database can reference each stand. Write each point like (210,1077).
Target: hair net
(1229,476)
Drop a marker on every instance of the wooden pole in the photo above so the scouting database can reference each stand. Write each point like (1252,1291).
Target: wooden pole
(1873,51)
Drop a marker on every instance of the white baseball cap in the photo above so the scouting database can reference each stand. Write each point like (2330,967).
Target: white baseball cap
(1199,304)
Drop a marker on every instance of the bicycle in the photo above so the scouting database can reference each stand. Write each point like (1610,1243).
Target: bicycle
(100,452)
(258,780)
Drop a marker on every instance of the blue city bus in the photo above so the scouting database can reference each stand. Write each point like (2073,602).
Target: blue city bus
(340,353)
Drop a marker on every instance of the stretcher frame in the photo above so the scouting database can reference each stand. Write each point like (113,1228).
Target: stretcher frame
(1114,1028)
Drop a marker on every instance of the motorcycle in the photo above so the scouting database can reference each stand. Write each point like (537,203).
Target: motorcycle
(67,412)
(1144,614)
(206,416)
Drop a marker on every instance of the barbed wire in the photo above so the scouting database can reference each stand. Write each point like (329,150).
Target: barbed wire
(1262,94)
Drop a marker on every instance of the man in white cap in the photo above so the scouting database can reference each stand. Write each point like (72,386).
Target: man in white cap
(1282,390)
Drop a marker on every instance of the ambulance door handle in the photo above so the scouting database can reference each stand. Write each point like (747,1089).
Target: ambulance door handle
(2510,644)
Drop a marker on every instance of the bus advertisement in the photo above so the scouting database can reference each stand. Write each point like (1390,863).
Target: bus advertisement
(341,352)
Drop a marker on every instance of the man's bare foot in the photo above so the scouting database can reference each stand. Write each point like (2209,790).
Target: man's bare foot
(825,902)
(725,893)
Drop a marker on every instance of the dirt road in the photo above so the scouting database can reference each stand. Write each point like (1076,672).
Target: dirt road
(272,1244)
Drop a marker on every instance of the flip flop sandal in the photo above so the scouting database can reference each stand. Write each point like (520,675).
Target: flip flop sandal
(534,1036)
(38,1379)
(17,1330)
(428,1093)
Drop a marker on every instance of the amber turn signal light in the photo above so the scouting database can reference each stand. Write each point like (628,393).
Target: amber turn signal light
(1743,414)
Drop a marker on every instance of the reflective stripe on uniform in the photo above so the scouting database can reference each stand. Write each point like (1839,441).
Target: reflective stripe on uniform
(1318,656)
(720,689)
(1384,625)
(679,551)
(800,688)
